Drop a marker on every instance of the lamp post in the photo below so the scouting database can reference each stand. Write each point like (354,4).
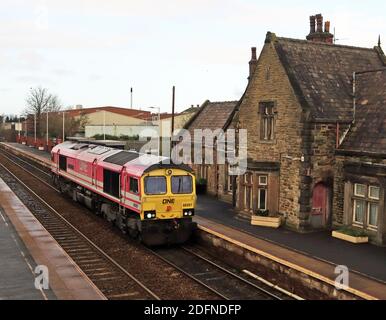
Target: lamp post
(19,127)
(159,127)
(104,124)
(63,128)
(35,129)
(47,130)
(26,127)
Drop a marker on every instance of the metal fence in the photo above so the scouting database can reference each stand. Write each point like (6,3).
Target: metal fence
(38,143)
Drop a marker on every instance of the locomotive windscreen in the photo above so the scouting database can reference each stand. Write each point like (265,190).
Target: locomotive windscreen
(122,157)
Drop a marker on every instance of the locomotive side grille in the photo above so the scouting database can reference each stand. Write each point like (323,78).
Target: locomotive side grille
(122,157)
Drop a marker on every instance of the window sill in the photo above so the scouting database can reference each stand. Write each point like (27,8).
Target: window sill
(274,141)
(358,225)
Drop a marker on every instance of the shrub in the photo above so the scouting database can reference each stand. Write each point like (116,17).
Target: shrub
(352,232)
(262,213)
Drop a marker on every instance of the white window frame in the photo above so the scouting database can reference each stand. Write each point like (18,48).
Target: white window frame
(250,198)
(355,190)
(370,226)
(229,182)
(354,213)
(369,192)
(246,189)
(266,181)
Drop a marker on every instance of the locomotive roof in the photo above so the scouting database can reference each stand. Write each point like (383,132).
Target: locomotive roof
(111,158)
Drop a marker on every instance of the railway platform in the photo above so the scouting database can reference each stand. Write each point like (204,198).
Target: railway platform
(25,245)
(41,157)
(314,254)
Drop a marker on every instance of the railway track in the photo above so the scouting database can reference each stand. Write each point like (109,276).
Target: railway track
(112,277)
(216,278)
(102,270)
(220,279)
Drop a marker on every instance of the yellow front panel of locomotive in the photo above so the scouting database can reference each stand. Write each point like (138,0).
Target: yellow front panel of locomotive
(167,205)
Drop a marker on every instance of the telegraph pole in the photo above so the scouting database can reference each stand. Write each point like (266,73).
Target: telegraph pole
(173,106)
(131,98)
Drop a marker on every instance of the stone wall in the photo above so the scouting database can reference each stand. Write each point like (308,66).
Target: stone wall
(270,83)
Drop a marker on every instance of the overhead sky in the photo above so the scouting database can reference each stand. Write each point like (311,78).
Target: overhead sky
(91,52)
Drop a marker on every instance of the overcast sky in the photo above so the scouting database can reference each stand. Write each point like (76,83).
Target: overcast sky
(91,52)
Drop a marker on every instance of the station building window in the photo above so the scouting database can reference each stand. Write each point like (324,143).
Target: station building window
(366,206)
(262,193)
(267,121)
(203,171)
(228,180)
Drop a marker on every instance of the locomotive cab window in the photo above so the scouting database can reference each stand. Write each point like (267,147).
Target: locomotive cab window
(133,185)
(62,163)
(155,185)
(111,183)
(182,184)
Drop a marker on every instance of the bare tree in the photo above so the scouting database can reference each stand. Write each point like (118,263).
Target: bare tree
(39,101)
(54,104)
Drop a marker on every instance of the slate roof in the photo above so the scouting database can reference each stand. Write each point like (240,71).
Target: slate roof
(368,133)
(211,115)
(321,74)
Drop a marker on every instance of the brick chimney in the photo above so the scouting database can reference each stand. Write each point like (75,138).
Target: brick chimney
(319,23)
(317,34)
(253,62)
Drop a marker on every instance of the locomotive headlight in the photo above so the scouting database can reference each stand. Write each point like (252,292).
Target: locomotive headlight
(150,214)
(188,212)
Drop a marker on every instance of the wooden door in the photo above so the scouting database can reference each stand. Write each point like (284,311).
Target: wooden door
(320,206)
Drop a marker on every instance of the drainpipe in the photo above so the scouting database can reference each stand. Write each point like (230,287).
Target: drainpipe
(337,134)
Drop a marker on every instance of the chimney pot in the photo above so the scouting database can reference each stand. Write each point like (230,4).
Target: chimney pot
(327,27)
(254,57)
(312,24)
(319,35)
(319,21)
(252,63)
